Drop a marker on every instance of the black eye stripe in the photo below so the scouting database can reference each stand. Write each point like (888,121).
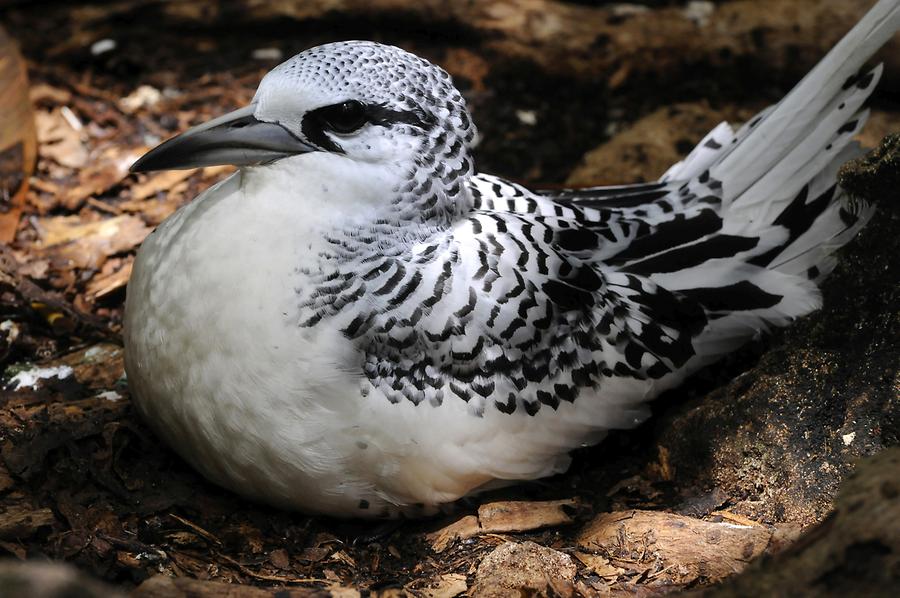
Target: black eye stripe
(381,115)
(349,116)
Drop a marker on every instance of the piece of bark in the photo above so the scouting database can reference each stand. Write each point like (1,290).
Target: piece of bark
(521,515)
(505,516)
(466,527)
(19,521)
(514,570)
(686,549)
(17,137)
(855,551)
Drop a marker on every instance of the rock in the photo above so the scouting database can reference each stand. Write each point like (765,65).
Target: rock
(855,551)
(647,148)
(877,175)
(778,440)
(49,580)
(514,570)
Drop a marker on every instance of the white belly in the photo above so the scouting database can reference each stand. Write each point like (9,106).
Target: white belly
(219,366)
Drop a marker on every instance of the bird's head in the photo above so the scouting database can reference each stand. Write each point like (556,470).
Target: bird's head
(360,101)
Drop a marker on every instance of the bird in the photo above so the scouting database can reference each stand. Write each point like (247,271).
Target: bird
(357,323)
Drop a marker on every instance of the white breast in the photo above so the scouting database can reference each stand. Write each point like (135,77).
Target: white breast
(219,366)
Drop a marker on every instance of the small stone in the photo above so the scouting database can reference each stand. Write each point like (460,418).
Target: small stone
(525,569)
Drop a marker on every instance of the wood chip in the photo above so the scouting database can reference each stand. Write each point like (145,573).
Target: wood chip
(504,516)
(467,527)
(520,516)
(687,548)
(22,521)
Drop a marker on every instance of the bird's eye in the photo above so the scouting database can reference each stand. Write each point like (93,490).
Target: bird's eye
(345,117)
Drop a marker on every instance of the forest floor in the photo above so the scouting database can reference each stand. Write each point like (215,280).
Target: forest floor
(733,466)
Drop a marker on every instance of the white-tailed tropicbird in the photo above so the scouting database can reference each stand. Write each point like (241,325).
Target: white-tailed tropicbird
(357,323)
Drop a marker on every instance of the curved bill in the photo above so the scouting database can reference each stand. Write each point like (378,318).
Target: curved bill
(236,138)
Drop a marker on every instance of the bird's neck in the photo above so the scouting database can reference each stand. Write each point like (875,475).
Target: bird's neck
(345,221)
(331,191)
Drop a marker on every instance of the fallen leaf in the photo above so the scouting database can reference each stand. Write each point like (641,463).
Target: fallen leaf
(158,182)
(279,558)
(41,92)
(87,245)
(102,285)
(58,140)
(445,586)
(599,564)
(100,175)
(144,96)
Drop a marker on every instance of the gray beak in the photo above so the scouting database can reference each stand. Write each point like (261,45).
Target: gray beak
(236,138)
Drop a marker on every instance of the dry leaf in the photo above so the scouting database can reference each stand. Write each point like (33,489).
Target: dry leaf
(41,92)
(87,245)
(100,175)
(155,183)
(279,558)
(144,96)
(445,586)
(599,564)
(104,284)
(58,140)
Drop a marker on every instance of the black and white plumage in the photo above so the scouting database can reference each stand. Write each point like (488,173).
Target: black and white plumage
(357,323)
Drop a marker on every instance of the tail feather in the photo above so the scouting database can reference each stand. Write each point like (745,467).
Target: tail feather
(832,130)
(778,176)
(785,127)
